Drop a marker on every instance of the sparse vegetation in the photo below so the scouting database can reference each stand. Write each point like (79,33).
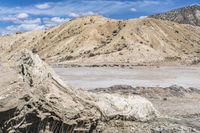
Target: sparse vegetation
(91,54)
(127,37)
(34,50)
(176,31)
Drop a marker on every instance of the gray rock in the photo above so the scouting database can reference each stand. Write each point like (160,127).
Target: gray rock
(185,15)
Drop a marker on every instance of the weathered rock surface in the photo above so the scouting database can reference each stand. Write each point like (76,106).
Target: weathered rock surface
(175,102)
(35,100)
(185,15)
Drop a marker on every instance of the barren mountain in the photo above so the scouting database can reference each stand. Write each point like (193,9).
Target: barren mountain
(98,40)
(185,15)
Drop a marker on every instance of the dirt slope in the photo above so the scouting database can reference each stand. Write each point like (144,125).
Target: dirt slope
(99,40)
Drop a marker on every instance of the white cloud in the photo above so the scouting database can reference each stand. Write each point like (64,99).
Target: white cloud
(29,24)
(49,22)
(133,9)
(103,7)
(24,27)
(59,20)
(151,2)
(22,15)
(8,18)
(90,13)
(75,15)
(143,16)
(28,21)
(43,6)
(33,21)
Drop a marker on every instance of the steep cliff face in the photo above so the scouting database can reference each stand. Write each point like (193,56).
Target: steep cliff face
(185,15)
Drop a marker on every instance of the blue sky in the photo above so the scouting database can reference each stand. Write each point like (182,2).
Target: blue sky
(27,15)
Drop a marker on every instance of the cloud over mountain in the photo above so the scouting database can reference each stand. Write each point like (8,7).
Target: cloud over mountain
(57,12)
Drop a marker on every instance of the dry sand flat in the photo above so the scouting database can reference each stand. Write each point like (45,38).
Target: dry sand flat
(94,77)
(99,40)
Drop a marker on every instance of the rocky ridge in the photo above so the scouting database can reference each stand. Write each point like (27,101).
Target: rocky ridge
(185,15)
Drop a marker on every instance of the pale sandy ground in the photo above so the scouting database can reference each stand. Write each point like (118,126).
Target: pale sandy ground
(185,107)
(95,77)
(178,106)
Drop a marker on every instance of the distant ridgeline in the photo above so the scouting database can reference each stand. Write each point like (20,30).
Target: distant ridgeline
(185,15)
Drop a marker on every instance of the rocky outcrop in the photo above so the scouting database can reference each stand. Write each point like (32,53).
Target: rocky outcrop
(35,100)
(173,101)
(185,15)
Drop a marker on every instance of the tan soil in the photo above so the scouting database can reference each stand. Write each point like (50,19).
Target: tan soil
(98,40)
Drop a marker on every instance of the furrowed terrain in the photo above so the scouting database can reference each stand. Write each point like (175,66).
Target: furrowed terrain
(185,15)
(97,40)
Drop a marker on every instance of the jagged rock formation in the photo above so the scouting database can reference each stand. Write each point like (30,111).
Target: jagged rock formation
(185,15)
(98,40)
(34,99)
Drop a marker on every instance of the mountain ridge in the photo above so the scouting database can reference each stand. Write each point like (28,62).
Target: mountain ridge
(184,15)
(99,40)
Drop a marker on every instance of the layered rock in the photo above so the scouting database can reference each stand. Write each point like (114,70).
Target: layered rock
(34,99)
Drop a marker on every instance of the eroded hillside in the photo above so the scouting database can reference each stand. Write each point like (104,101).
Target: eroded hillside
(98,40)
(185,15)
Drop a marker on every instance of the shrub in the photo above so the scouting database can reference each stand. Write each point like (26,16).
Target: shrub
(34,50)
(91,54)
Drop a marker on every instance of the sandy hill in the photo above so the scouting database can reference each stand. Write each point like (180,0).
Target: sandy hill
(99,40)
(185,15)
